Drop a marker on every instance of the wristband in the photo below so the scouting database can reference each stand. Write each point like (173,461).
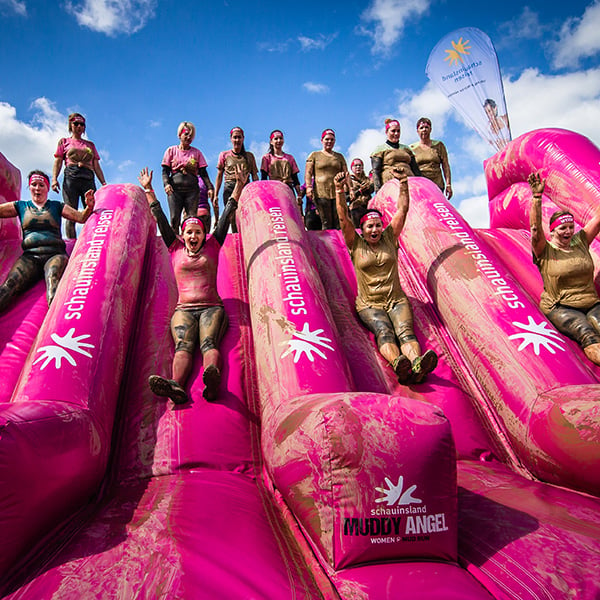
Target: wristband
(149,190)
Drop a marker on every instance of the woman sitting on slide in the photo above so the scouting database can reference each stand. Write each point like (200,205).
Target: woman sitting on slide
(199,314)
(569,300)
(381,303)
(44,252)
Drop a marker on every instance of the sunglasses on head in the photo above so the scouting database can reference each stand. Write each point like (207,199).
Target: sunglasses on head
(80,123)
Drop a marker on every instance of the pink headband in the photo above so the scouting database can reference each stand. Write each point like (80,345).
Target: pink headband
(370,215)
(38,177)
(326,131)
(193,221)
(274,132)
(356,161)
(390,123)
(561,221)
(236,129)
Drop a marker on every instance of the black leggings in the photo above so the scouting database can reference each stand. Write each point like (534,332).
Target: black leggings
(395,323)
(29,269)
(328,213)
(185,196)
(581,325)
(77,181)
(204,325)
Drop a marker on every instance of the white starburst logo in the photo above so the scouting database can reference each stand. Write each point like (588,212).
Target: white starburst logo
(537,335)
(306,342)
(61,350)
(393,493)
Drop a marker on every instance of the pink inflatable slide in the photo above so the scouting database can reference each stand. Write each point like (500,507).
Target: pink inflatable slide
(315,474)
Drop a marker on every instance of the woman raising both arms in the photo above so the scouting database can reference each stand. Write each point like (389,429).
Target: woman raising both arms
(381,303)
(199,314)
(569,300)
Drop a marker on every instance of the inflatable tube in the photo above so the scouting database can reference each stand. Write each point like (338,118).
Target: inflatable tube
(334,472)
(534,385)
(568,161)
(55,436)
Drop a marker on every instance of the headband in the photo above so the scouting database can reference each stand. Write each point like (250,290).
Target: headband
(274,132)
(236,129)
(389,124)
(38,177)
(370,215)
(561,221)
(356,160)
(192,220)
(326,131)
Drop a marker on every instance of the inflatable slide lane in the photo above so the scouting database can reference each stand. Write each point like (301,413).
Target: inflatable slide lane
(537,392)
(56,424)
(181,512)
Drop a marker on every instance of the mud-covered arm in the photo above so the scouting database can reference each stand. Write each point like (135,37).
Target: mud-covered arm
(538,239)
(166,231)
(346,225)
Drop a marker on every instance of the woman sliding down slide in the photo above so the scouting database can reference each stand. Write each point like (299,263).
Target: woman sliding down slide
(199,313)
(569,298)
(381,303)
(44,252)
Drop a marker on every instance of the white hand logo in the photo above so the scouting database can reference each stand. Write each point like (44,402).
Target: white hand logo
(393,494)
(305,344)
(60,351)
(537,335)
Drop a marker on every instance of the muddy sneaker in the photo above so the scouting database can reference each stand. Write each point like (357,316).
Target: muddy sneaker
(402,368)
(168,388)
(424,364)
(211,378)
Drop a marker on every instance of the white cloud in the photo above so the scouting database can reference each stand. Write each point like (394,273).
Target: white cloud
(315,88)
(273,47)
(112,17)
(390,18)
(317,43)
(32,145)
(155,123)
(429,102)
(125,165)
(20,8)
(578,38)
(526,26)
(259,149)
(365,143)
(569,101)
(475,211)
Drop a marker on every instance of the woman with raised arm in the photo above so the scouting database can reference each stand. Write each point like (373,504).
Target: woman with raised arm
(569,300)
(181,167)
(227,165)
(199,314)
(381,303)
(432,157)
(321,168)
(392,155)
(44,251)
(82,162)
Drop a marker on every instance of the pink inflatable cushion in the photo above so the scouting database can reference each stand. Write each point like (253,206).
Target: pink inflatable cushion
(370,477)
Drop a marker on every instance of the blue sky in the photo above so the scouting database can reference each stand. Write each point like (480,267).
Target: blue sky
(136,68)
